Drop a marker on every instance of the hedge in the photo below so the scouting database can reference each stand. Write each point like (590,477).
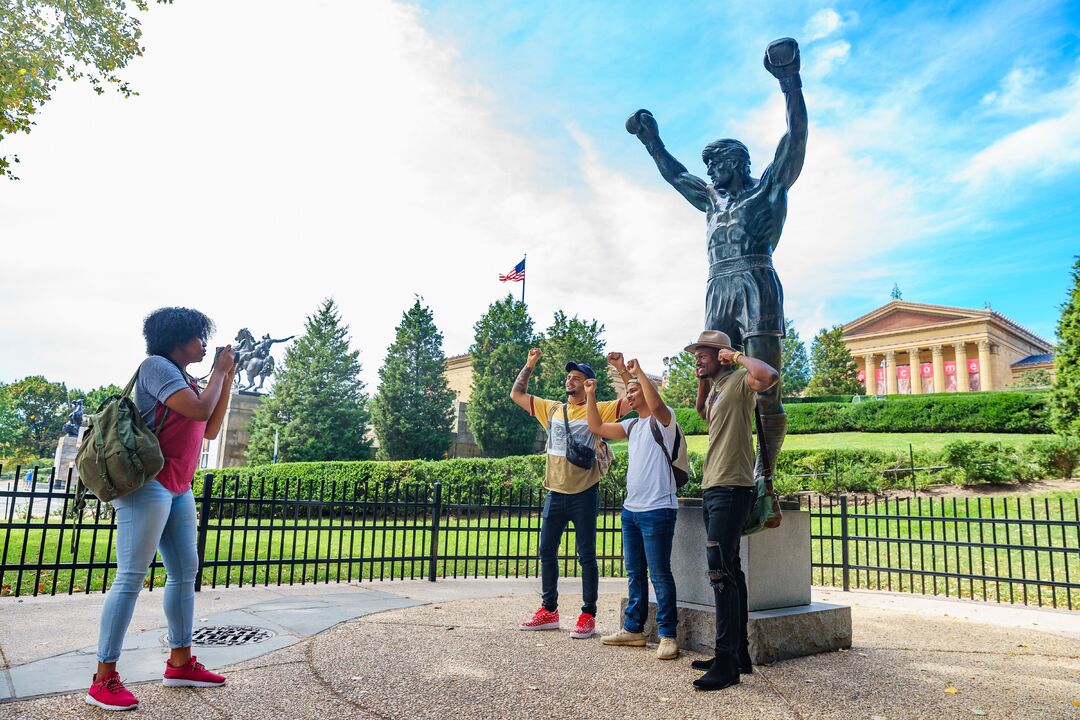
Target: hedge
(971,462)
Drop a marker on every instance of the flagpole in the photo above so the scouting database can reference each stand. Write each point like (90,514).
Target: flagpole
(523,279)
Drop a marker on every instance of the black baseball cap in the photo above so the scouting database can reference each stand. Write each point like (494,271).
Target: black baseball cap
(581,368)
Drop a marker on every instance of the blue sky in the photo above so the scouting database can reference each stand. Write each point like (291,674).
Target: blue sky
(379,150)
(925,87)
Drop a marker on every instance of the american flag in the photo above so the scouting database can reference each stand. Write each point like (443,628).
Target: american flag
(515,275)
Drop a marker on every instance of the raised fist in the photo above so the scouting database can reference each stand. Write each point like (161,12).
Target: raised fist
(782,58)
(534,357)
(615,359)
(633,367)
(590,387)
(643,124)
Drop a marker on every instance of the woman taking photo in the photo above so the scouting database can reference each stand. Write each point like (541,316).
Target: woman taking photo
(160,516)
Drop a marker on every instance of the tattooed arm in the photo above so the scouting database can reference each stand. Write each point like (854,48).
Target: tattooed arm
(518,393)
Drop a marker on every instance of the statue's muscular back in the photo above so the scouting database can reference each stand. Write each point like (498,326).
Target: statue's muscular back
(749,225)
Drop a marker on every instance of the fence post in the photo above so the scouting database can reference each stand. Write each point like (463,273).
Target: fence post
(911,458)
(836,471)
(436,517)
(204,525)
(844,541)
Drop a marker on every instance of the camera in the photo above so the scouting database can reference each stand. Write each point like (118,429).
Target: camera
(235,355)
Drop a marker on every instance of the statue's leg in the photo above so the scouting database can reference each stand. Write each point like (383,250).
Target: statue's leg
(725,308)
(773,418)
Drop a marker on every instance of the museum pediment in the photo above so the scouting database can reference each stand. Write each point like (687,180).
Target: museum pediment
(902,316)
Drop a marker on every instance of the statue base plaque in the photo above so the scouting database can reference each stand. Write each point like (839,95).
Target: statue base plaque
(783,621)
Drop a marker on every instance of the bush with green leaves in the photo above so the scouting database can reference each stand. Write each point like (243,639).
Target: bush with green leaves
(985,462)
(1057,457)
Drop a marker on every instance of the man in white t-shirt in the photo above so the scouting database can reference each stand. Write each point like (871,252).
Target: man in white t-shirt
(649,511)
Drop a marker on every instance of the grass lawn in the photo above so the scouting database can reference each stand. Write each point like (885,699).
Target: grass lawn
(880,441)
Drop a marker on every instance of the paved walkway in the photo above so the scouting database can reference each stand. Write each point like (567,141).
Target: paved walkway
(411,649)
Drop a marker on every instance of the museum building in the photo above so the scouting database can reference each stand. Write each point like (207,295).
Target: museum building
(910,348)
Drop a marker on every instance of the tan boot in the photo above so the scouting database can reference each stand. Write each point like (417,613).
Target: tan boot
(625,637)
(668,650)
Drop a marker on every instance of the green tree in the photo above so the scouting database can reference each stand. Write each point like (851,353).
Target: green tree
(9,425)
(413,413)
(47,41)
(503,336)
(834,371)
(680,381)
(795,366)
(571,338)
(1065,397)
(317,403)
(92,399)
(39,409)
(1038,378)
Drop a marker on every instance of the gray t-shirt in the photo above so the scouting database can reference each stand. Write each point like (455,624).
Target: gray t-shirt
(158,379)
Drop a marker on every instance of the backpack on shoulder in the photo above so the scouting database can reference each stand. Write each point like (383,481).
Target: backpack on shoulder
(679,460)
(119,453)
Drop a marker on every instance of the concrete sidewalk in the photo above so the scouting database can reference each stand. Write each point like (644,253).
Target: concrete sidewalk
(409,649)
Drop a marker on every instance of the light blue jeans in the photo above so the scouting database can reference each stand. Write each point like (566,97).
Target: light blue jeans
(148,520)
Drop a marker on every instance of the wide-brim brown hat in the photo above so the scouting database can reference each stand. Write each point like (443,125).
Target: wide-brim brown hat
(711,339)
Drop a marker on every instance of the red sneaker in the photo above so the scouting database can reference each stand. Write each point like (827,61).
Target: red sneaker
(194,674)
(585,628)
(110,694)
(543,620)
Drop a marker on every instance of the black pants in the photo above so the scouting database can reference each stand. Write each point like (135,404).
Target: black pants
(559,509)
(725,510)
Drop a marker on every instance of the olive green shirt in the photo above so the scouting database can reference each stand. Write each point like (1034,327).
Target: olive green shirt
(729,459)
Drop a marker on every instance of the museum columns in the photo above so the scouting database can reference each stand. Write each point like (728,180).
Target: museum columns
(938,354)
(890,372)
(963,383)
(871,374)
(986,379)
(914,371)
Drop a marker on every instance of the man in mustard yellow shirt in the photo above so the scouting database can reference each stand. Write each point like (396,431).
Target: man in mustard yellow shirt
(573,493)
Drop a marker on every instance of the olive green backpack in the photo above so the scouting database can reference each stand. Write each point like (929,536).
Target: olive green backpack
(119,453)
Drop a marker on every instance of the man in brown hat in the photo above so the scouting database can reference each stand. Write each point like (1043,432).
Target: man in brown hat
(727,493)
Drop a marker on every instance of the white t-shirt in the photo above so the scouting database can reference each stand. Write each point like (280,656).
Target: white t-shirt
(650,484)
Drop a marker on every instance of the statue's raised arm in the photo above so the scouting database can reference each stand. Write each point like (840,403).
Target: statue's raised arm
(643,125)
(782,60)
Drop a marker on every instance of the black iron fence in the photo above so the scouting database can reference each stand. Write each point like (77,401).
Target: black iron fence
(261,532)
(1005,549)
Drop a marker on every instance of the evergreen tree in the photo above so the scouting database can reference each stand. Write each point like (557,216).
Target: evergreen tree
(571,339)
(317,403)
(1065,398)
(501,344)
(834,371)
(413,413)
(680,380)
(795,366)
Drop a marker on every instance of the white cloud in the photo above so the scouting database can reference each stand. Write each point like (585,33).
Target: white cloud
(823,59)
(1043,148)
(822,24)
(1015,93)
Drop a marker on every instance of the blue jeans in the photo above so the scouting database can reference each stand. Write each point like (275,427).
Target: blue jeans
(647,538)
(148,520)
(559,509)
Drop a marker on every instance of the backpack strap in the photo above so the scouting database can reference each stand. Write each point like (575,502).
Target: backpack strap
(630,427)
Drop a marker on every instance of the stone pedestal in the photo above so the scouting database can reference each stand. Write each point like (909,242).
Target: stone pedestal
(232,443)
(783,621)
(66,449)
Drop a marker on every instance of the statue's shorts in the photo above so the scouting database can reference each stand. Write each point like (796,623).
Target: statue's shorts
(744,298)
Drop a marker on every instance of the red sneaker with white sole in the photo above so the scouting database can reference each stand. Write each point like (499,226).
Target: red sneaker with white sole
(193,674)
(585,628)
(543,619)
(110,694)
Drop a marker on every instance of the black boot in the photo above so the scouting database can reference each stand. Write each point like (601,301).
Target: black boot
(718,677)
(745,668)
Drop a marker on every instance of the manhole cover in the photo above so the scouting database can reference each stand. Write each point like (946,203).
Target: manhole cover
(226,635)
